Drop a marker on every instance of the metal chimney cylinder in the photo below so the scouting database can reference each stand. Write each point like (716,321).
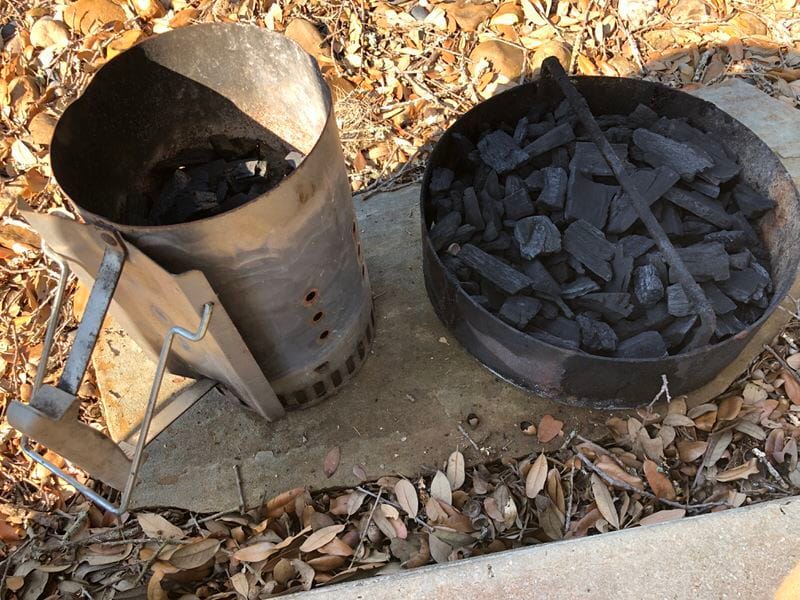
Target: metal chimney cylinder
(287,266)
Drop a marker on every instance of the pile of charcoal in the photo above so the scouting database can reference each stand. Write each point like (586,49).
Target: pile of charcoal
(537,230)
(202,182)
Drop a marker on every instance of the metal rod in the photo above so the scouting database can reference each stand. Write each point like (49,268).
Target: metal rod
(52,324)
(161,367)
(708,319)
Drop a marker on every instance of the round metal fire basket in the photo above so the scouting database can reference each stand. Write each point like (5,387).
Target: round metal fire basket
(576,377)
(287,265)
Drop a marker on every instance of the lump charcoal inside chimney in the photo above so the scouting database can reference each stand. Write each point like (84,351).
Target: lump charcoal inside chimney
(535,236)
(499,151)
(649,344)
(500,274)
(751,203)
(657,150)
(554,187)
(517,202)
(581,286)
(558,136)
(675,333)
(518,311)
(589,160)
(588,200)
(706,262)
(443,231)
(647,285)
(613,306)
(588,245)
(596,336)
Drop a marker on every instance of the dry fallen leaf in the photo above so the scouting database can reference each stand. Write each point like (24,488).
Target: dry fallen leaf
(743,471)
(194,555)
(440,550)
(549,429)
(689,451)
(659,483)
(455,470)
(156,526)
(407,497)
(792,387)
(537,475)
(321,537)
(440,488)
(255,552)
(331,462)
(605,504)
(662,516)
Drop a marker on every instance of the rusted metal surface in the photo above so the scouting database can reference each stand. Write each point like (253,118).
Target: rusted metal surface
(577,377)
(287,266)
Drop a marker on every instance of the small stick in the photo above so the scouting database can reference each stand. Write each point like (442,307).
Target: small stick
(627,487)
(786,366)
(664,391)
(240,489)
(149,563)
(366,527)
(469,439)
(708,318)
(396,505)
(762,458)
(568,518)
(576,46)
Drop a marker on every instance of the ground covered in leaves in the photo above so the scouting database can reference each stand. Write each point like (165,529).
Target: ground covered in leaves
(401,72)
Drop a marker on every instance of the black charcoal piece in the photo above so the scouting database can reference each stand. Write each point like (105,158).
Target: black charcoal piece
(723,168)
(490,268)
(622,266)
(472,209)
(648,344)
(674,333)
(559,158)
(521,131)
(516,202)
(492,186)
(708,189)
(588,245)
(702,206)
(619,135)
(472,288)
(536,130)
(647,285)
(518,311)
(596,336)
(581,286)
(563,328)
(654,258)
(499,151)
(170,196)
(455,266)
(652,184)
(588,159)
(535,181)
(558,136)
(657,150)
(554,187)
(464,233)
(678,303)
(636,245)
(641,116)
(554,340)
(741,260)
(443,232)
(490,232)
(444,206)
(588,200)
(697,228)
(463,144)
(541,279)
(728,325)
(732,240)
(751,203)
(671,221)
(537,235)
(743,285)
(719,301)
(441,179)
(489,210)
(206,177)
(706,262)
(498,245)
(549,310)
(612,305)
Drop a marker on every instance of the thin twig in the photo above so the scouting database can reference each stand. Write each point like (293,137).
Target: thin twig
(786,366)
(396,505)
(469,439)
(239,488)
(762,458)
(576,45)
(149,563)
(664,391)
(627,487)
(366,528)
(568,518)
